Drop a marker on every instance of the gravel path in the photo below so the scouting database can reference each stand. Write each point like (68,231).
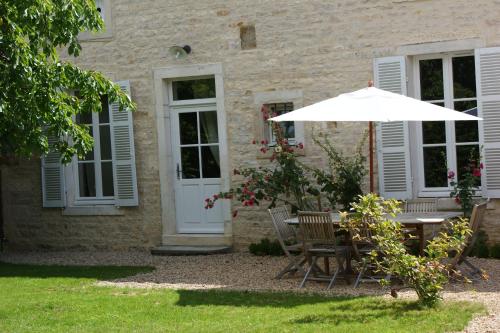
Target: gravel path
(242,271)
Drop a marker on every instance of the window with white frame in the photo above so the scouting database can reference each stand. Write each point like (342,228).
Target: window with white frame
(104,9)
(94,173)
(100,8)
(288,127)
(106,175)
(447,80)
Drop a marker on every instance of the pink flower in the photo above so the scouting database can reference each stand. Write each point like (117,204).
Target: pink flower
(481,166)
(457,200)
(300,145)
(476,172)
(216,197)
(451,174)
(266,142)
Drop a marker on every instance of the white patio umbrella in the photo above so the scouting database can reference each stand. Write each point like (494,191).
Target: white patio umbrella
(373,104)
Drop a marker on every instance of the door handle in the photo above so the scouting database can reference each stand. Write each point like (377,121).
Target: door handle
(178,171)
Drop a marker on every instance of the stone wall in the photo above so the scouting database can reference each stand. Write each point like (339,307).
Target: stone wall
(322,48)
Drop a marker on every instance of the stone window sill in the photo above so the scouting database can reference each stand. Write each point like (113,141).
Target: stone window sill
(92,211)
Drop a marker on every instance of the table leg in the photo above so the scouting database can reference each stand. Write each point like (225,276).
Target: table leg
(327,266)
(420,232)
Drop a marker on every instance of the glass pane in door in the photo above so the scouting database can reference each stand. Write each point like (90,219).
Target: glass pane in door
(433,132)
(467,158)
(190,162)
(208,127)
(210,161)
(466,131)
(193,89)
(436,173)
(464,77)
(431,80)
(188,128)
(86,179)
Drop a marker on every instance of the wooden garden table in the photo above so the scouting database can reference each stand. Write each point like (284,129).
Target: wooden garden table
(408,220)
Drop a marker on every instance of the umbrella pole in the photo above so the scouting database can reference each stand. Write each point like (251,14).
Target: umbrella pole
(370,140)
(370,144)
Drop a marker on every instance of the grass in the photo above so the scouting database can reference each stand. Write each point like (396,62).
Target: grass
(65,299)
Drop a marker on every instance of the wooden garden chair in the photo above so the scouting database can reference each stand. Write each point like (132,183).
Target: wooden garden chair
(320,241)
(287,237)
(424,205)
(362,247)
(461,257)
(421,205)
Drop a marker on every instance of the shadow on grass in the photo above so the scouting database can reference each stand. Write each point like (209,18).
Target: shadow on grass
(89,272)
(364,311)
(252,299)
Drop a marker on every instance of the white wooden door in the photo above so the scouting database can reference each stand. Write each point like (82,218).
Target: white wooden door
(196,144)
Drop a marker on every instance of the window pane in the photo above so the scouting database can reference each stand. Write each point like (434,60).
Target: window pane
(435,169)
(86,178)
(466,131)
(190,162)
(431,79)
(105,144)
(467,157)
(193,89)
(464,77)
(433,132)
(90,154)
(107,179)
(208,127)
(210,161)
(84,118)
(288,127)
(188,128)
(104,114)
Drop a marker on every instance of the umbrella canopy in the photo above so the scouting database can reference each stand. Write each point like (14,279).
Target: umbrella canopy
(372,104)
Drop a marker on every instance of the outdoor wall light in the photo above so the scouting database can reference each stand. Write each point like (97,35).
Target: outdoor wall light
(179,52)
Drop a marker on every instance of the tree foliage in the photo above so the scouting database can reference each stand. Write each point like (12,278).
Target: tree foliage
(427,274)
(342,180)
(37,98)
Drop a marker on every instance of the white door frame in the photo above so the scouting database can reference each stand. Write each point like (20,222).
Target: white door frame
(165,154)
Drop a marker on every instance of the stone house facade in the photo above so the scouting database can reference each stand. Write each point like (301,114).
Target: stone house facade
(197,114)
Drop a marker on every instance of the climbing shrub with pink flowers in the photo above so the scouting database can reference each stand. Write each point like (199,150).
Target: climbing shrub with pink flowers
(466,186)
(283,181)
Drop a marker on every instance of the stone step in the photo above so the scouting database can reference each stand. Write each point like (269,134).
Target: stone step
(181,250)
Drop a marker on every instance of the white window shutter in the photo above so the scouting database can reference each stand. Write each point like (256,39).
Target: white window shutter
(393,150)
(488,105)
(52,179)
(122,141)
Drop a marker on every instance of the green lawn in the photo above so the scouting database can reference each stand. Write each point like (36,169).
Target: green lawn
(64,299)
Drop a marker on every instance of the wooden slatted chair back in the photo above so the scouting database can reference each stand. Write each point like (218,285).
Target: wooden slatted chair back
(361,236)
(421,205)
(283,230)
(317,227)
(475,221)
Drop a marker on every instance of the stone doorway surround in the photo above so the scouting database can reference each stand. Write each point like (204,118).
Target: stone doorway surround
(170,236)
